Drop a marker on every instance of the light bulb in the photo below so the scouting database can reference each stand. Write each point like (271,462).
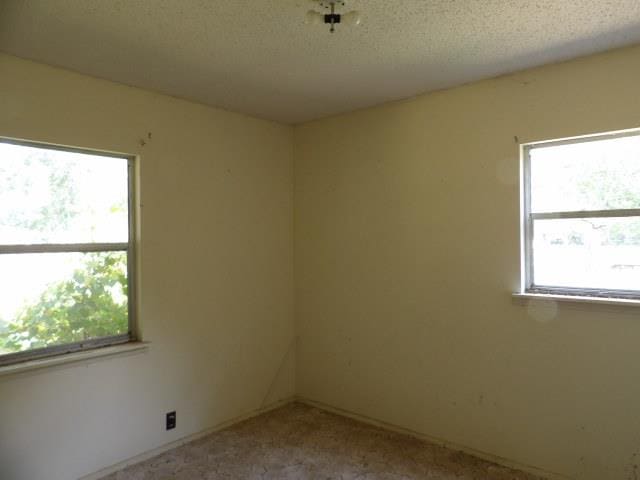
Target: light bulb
(352,18)
(313,18)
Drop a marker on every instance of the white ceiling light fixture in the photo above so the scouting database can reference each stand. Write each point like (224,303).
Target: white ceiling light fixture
(330,16)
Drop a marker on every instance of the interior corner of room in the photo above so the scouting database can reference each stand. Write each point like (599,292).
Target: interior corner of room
(348,239)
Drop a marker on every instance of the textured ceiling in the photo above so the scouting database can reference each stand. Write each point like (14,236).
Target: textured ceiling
(257,56)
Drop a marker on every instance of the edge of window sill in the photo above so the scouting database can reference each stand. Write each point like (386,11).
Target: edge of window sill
(617,302)
(74,357)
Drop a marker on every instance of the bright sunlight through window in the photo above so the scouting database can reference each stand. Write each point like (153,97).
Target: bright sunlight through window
(65,250)
(581,216)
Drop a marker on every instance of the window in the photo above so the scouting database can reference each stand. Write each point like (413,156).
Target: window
(581,216)
(66,250)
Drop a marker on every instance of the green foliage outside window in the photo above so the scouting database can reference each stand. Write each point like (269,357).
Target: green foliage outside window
(92,303)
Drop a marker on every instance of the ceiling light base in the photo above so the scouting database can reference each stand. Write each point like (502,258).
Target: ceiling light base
(332,18)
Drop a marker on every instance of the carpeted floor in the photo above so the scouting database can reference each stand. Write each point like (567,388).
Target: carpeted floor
(301,442)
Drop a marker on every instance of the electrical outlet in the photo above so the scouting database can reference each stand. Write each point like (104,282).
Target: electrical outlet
(171,420)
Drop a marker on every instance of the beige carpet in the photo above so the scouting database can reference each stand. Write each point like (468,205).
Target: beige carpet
(301,442)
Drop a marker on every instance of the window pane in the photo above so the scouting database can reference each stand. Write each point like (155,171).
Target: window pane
(51,196)
(592,175)
(56,298)
(587,253)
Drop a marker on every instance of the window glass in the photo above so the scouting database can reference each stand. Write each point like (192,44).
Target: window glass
(591,175)
(64,250)
(582,216)
(601,253)
(58,298)
(52,196)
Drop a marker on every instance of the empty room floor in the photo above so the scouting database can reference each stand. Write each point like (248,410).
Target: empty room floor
(302,442)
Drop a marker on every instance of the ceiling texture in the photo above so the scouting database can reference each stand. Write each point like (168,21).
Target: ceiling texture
(259,58)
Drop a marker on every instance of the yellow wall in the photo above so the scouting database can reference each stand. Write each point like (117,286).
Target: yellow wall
(216,288)
(407,250)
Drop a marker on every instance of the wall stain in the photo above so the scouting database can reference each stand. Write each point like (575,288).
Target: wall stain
(633,468)
(143,141)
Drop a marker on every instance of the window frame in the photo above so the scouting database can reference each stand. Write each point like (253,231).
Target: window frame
(527,221)
(129,247)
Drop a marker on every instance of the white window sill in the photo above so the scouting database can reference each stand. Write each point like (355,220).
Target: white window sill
(74,357)
(621,302)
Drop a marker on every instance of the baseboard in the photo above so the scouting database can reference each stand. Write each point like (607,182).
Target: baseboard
(189,438)
(338,411)
(438,441)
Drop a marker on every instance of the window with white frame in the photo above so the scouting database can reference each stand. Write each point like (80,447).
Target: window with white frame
(581,216)
(66,250)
